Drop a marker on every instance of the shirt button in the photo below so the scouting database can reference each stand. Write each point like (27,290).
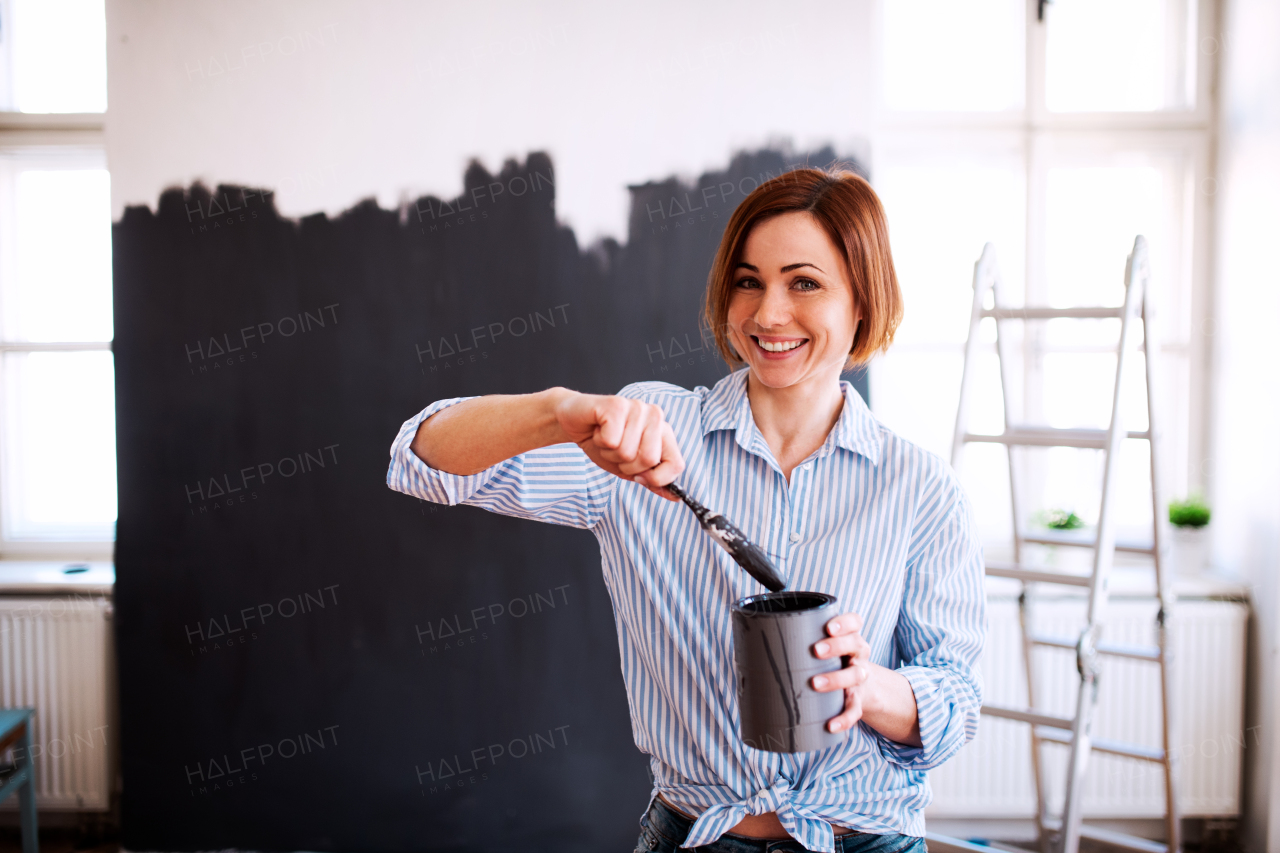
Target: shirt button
(795,537)
(806,466)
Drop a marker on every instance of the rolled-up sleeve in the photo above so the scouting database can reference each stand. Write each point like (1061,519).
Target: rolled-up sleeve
(942,626)
(558,484)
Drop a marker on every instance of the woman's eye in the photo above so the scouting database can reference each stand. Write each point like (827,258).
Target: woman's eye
(746,282)
(809,284)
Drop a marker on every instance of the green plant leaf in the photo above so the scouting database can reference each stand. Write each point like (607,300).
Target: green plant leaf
(1191,512)
(1061,519)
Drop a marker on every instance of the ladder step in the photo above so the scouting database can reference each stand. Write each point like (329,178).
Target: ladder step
(1008,848)
(1115,839)
(1017,572)
(946,844)
(1120,839)
(1029,717)
(1083,539)
(1036,436)
(1121,650)
(1036,312)
(1114,747)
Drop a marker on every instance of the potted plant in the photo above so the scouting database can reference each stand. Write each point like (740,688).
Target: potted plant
(1189,551)
(1062,520)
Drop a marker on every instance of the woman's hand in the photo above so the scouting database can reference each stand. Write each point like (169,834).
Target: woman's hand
(626,437)
(874,694)
(846,643)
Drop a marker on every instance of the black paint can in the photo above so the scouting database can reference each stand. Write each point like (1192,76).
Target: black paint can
(773,637)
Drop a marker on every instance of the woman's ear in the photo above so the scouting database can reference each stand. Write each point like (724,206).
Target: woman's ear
(857,327)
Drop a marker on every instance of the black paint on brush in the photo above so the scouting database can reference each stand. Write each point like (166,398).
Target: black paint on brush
(743,550)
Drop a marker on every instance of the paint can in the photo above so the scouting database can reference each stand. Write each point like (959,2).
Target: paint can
(773,638)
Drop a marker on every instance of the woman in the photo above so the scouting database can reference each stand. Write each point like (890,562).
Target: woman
(802,288)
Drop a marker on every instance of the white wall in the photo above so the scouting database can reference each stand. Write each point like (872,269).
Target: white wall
(330,101)
(1246,463)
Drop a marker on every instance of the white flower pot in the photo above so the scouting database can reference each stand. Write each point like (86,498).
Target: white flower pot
(1189,550)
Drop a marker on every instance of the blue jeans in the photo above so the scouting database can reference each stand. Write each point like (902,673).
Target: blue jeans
(663,830)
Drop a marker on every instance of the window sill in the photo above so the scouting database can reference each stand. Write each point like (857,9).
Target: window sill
(66,551)
(10,120)
(47,577)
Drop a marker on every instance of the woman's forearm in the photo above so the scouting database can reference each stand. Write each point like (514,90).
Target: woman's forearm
(473,435)
(889,705)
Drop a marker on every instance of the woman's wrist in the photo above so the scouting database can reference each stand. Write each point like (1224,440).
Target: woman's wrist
(875,701)
(889,705)
(548,426)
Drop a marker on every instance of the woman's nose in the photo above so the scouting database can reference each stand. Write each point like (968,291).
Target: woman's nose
(774,308)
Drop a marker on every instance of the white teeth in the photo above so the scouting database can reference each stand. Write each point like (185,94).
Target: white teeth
(780,346)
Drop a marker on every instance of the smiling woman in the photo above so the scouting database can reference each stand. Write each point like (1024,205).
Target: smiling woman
(802,288)
(833,215)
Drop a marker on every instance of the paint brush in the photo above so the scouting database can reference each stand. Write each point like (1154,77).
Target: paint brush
(743,550)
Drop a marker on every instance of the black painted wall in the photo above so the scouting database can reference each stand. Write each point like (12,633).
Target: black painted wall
(307,659)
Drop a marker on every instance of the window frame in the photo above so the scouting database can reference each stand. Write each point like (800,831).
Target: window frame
(74,136)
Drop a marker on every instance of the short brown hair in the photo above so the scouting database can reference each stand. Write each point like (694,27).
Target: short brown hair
(849,210)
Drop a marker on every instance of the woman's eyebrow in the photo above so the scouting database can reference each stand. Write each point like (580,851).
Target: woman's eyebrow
(787,268)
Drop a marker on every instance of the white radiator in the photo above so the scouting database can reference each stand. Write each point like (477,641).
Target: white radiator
(55,656)
(991,777)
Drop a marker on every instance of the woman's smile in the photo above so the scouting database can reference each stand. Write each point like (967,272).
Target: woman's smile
(775,348)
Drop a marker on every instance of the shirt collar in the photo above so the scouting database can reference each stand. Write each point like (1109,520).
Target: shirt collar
(727,406)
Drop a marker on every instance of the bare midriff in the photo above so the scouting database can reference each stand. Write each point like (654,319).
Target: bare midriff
(765,825)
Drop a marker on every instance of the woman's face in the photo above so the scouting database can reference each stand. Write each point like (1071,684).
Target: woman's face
(791,309)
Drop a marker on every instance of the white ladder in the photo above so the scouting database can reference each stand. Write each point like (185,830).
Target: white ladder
(1076,732)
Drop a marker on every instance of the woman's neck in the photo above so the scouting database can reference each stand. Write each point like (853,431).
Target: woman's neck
(797,419)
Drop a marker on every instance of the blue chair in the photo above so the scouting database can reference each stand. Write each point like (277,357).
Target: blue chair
(15,731)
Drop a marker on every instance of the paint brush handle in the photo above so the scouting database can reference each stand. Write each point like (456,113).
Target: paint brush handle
(697,508)
(744,552)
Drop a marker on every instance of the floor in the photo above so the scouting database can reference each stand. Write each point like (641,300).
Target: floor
(56,840)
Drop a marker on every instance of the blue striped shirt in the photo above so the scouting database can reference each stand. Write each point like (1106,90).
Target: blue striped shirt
(868,517)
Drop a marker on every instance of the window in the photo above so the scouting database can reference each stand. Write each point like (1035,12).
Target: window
(1058,140)
(1120,55)
(53,56)
(57,408)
